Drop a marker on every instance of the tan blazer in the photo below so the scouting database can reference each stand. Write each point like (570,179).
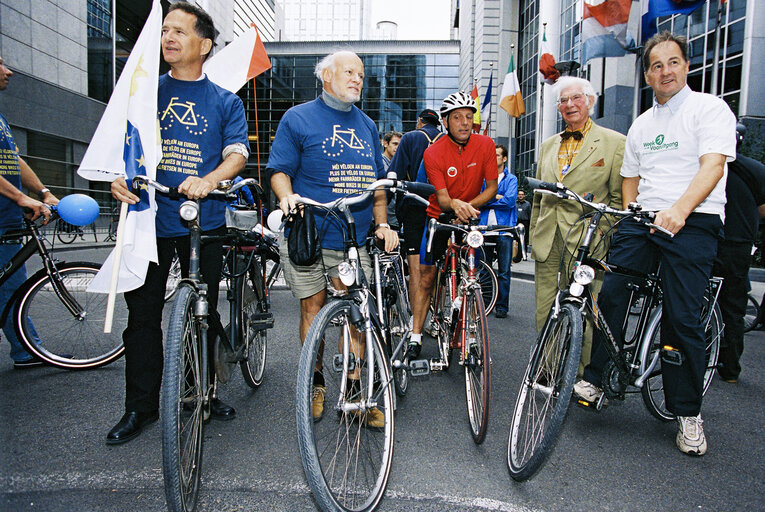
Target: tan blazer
(595,170)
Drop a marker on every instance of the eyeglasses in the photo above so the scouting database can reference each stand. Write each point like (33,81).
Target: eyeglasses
(576,98)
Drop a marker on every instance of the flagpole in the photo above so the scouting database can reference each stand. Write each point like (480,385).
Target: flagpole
(716,61)
(638,67)
(117,256)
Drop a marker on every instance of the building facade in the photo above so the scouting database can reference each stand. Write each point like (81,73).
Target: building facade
(323,20)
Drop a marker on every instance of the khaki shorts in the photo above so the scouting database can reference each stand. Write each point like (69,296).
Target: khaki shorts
(307,281)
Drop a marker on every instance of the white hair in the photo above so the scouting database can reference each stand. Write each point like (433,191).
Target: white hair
(328,62)
(584,85)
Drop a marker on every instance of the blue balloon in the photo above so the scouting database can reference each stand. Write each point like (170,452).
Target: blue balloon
(78,209)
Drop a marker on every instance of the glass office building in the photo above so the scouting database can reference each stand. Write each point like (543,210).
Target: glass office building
(401,79)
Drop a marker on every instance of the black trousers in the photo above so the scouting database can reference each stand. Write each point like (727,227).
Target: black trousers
(732,264)
(143,335)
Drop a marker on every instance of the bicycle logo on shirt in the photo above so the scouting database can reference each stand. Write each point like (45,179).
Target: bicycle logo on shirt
(335,145)
(183,113)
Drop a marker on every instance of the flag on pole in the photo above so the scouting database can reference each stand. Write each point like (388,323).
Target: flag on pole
(510,97)
(226,68)
(653,9)
(547,71)
(129,127)
(477,115)
(487,102)
(604,29)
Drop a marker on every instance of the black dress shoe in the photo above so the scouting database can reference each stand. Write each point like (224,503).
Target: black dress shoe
(130,426)
(221,411)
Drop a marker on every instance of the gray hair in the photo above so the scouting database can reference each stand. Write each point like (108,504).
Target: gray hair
(328,62)
(584,85)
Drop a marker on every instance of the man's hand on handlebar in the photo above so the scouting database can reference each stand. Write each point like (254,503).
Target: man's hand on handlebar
(288,203)
(196,188)
(389,236)
(38,208)
(671,219)
(464,211)
(121,192)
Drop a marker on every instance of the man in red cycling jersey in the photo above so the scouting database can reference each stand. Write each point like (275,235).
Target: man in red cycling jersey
(456,166)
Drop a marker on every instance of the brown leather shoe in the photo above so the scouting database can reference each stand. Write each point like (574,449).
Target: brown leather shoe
(317,402)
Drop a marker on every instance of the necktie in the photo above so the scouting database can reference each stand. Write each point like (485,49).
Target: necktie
(577,135)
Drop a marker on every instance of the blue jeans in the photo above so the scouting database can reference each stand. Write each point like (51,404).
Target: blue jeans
(504,250)
(7,251)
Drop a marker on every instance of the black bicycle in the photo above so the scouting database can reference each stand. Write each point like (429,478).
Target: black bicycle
(546,389)
(55,317)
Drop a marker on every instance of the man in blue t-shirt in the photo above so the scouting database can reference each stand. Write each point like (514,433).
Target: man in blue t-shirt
(204,141)
(323,150)
(14,172)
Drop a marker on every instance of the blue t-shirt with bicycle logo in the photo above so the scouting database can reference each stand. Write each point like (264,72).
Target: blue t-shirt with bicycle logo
(10,213)
(197,120)
(329,154)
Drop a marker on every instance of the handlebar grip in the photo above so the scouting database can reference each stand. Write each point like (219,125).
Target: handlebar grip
(421,189)
(535,183)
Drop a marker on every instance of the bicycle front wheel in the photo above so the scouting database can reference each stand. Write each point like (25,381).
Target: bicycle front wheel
(477,366)
(182,404)
(172,278)
(489,285)
(441,316)
(255,336)
(61,323)
(347,451)
(653,387)
(545,393)
(399,321)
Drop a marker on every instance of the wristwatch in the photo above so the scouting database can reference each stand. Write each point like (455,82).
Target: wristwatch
(42,192)
(382,225)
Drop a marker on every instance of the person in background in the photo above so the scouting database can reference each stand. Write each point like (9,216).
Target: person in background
(502,211)
(524,215)
(390,144)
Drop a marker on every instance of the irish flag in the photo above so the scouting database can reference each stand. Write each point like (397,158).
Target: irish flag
(547,71)
(477,115)
(604,29)
(225,67)
(511,100)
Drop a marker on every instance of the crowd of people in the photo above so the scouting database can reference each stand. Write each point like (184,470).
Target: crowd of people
(677,160)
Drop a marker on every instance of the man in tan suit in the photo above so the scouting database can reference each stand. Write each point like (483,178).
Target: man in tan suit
(586,158)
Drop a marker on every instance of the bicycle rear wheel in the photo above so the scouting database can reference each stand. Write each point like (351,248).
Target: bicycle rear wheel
(477,366)
(653,388)
(441,315)
(752,312)
(182,404)
(255,336)
(51,332)
(545,393)
(66,233)
(347,462)
(489,286)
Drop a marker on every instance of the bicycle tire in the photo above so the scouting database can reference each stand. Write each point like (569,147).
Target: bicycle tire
(653,388)
(52,333)
(66,233)
(182,404)
(752,313)
(477,367)
(540,408)
(340,438)
(254,365)
(399,321)
(489,285)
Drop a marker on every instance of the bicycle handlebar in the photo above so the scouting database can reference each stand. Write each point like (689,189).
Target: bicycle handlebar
(226,188)
(560,190)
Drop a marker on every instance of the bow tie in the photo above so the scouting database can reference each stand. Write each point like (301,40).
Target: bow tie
(577,135)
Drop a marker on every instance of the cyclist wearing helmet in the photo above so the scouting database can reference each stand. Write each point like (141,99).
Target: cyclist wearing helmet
(457,166)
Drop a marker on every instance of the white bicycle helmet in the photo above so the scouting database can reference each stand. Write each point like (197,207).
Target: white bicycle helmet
(457,100)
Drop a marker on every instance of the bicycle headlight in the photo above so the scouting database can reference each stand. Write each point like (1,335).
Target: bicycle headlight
(474,239)
(189,211)
(584,274)
(346,273)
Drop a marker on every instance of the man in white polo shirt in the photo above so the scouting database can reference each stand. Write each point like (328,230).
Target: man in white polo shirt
(674,164)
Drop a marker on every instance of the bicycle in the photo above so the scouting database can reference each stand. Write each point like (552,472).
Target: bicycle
(753,318)
(346,462)
(187,386)
(546,389)
(459,316)
(54,316)
(111,231)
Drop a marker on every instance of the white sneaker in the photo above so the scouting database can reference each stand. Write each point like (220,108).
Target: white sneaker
(690,435)
(588,391)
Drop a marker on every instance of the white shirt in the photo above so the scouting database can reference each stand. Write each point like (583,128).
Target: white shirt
(665,143)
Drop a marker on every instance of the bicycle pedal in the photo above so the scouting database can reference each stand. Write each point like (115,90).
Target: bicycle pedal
(262,321)
(419,368)
(337,363)
(597,406)
(437,365)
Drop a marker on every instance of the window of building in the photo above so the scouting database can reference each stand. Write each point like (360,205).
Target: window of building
(51,158)
(528,62)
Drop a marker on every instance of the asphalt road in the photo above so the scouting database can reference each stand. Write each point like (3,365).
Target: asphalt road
(53,425)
